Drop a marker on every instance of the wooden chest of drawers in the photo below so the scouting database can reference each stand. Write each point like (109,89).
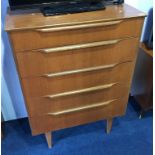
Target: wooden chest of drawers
(75,69)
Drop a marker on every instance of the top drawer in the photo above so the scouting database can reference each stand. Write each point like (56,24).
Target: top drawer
(75,34)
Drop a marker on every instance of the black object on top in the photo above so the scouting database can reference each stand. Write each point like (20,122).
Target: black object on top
(57,7)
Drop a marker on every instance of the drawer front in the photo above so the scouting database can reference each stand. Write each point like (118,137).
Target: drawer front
(102,110)
(60,36)
(42,86)
(39,106)
(38,63)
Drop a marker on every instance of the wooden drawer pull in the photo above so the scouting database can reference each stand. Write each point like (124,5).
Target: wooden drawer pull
(79,46)
(81,70)
(79,26)
(86,90)
(95,105)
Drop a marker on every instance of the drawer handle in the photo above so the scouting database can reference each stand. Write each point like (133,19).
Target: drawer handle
(95,105)
(80,26)
(86,90)
(81,70)
(79,46)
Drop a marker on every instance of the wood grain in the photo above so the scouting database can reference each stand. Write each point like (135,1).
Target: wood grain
(82,108)
(48,139)
(32,33)
(23,20)
(53,39)
(42,86)
(50,123)
(146,50)
(38,106)
(37,63)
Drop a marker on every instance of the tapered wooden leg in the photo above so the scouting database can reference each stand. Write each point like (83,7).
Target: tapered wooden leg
(109,125)
(48,136)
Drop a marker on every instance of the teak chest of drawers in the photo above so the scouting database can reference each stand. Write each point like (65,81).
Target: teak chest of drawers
(75,69)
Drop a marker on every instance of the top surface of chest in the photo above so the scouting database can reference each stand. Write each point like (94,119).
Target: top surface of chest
(31,20)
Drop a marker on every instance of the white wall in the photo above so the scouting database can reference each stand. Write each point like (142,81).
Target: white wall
(143,5)
(12,99)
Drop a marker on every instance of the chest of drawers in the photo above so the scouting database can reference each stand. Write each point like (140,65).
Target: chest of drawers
(75,69)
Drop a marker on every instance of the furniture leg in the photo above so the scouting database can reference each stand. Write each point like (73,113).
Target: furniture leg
(109,125)
(141,114)
(48,136)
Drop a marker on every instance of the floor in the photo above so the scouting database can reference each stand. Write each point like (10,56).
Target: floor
(129,136)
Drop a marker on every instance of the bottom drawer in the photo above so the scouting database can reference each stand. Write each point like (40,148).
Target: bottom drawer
(74,117)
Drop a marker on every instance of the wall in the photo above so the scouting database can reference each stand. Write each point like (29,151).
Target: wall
(12,98)
(143,5)
(12,102)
